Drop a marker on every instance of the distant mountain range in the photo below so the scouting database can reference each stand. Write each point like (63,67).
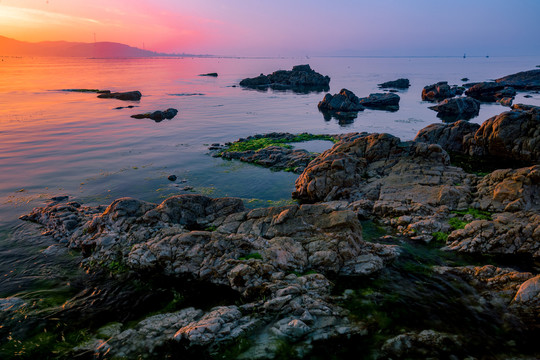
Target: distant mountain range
(11,47)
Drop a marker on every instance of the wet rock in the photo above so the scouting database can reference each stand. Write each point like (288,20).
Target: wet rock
(396,84)
(438,91)
(525,80)
(128,95)
(172,177)
(457,108)
(210,74)
(301,78)
(425,344)
(157,116)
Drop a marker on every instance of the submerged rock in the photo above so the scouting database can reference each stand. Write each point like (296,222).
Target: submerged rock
(157,116)
(301,78)
(396,84)
(457,108)
(128,95)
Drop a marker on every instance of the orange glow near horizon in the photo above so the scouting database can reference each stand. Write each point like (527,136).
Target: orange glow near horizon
(138,25)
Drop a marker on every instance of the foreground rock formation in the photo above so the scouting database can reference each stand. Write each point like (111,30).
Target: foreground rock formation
(259,253)
(301,78)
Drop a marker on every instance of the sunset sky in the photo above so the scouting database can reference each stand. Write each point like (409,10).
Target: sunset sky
(285,27)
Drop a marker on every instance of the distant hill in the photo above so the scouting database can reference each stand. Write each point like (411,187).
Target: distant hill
(11,47)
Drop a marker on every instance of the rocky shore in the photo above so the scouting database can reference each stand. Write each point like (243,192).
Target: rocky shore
(393,249)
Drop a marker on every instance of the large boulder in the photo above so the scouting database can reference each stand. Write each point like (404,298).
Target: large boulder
(452,137)
(301,78)
(359,166)
(512,136)
(457,108)
(396,84)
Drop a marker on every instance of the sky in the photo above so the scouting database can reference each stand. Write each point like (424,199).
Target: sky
(285,27)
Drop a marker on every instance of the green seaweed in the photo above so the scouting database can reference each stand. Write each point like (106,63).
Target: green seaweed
(255,255)
(457,223)
(477,214)
(440,237)
(264,142)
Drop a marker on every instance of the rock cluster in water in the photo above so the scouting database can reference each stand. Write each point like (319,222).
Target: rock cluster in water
(158,115)
(346,102)
(301,78)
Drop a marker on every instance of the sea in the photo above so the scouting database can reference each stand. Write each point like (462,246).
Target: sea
(62,143)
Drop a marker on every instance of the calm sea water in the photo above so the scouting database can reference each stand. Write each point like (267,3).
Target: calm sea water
(54,142)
